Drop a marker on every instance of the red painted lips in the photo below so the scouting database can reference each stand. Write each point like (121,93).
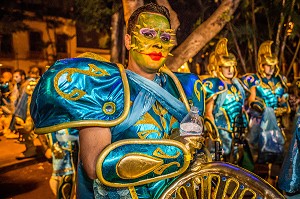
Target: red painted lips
(155,56)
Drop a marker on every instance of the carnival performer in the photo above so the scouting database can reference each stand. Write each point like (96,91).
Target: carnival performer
(289,178)
(137,107)
(268,102)
(64,147)
(225,98)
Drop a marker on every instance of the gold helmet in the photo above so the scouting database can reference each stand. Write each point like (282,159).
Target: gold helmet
(223,58)
(265,57)
(211,67)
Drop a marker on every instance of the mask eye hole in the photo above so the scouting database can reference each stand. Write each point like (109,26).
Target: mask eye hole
(148,33)
(165,37)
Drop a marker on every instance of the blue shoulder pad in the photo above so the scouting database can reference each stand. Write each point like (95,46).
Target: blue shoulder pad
(249,80)
(78,92)
(213,86)
(193,89)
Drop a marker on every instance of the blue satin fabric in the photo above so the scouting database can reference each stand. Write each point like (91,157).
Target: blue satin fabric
(48,108)
(264,130)
(289,178)
(227,107)
(270,138)
(146,98)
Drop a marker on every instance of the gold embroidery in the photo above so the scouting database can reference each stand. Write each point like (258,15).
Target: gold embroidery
(233,89)
(161,154)
(160,111)
(278,85)
(162,168)
(226,117)
(173,120)
(148,119)
(144,134)
(77,93)
(196,90)
(209,84)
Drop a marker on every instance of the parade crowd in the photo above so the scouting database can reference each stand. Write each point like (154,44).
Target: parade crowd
(86,106)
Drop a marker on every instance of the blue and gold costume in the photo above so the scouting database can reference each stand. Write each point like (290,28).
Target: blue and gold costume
(267,108)
(268,103)
(267,90)
(225,98)
(64,147)
(289,178)
(228,110)
(88,92)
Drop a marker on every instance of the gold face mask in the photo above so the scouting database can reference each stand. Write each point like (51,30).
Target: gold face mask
(151,41)
(225,62)
(265,57)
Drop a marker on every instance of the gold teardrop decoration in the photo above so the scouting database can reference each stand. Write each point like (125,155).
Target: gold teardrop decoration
(135,165)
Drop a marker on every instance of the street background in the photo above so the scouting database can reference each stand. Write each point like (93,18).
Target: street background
(23,179)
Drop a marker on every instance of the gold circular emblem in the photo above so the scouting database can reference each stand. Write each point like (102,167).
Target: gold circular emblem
(109,108)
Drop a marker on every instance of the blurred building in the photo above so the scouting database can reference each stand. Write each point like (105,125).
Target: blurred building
(48,39)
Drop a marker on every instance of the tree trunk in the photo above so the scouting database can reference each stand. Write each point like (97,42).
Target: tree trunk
(254,33)
(281,56)
(202,34)
(293,61)
(238,48)
(117,38)
(129,6)
(280,25)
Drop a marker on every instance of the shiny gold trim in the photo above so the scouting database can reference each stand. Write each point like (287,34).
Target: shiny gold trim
(106,104)
(202,178)
(109,148)
(101,123)
(212,130)
(133,193)
(226,117)
(166,70)
(92,56)
(212,177)
(228,182)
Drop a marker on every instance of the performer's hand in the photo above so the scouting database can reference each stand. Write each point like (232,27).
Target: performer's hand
(280,111)
(24,127)
(191,142)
